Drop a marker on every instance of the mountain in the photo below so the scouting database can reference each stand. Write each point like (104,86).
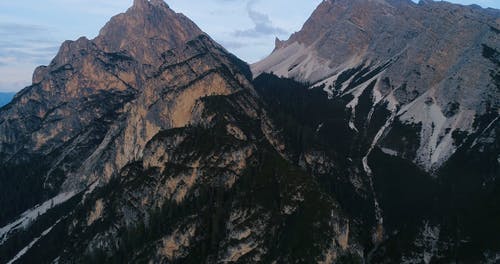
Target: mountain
(5,98)
(153,144)
(433,63)
(149,143)
(413,99)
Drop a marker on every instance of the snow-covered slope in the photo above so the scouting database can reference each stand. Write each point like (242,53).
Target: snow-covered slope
(436,63)
(32,214)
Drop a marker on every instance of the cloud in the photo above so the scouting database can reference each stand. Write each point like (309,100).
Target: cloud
(229,44)
(13,85)
(263,26)
(29,54)
(22,48)
(24,43)
(12,29)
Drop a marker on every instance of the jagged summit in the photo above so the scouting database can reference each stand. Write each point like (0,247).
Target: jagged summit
(126,61)
(146,30)
(141,4)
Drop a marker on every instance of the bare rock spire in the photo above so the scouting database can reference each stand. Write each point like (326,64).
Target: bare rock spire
(143,4)
(146,30)
(159,3)
(140,3)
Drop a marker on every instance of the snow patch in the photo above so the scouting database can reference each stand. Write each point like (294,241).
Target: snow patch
(288,209)
(91,188)
(32,243)
(436,141)
(492,258)
(302,63)
(377,94)
(329,85)
(485,130)
(329,82)
(366,167)
(357,92)
(352,125)
(32,214)
(389,152)
(320,126)
(296,60)
(426,244)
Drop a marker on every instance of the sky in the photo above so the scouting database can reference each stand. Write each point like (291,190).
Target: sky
(31,31)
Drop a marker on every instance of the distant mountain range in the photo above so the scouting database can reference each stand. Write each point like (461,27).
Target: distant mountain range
(5,98)
(370,136)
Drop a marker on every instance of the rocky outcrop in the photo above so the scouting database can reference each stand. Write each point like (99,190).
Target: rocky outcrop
(146,30)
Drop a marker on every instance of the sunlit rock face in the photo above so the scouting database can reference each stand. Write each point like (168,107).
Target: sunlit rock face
(148,67)
(146,30)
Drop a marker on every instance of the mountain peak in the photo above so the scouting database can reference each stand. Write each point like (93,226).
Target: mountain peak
(278,43)
(146,30)
(387,37)
(142,4)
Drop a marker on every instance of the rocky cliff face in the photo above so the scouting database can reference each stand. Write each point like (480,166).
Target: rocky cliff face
(407,93)
(151,143)
(427,62)
(70,111)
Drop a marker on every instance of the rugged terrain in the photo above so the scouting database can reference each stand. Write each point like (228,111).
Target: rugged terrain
(369,136)
(420,87)
(432,63)
(150,143)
